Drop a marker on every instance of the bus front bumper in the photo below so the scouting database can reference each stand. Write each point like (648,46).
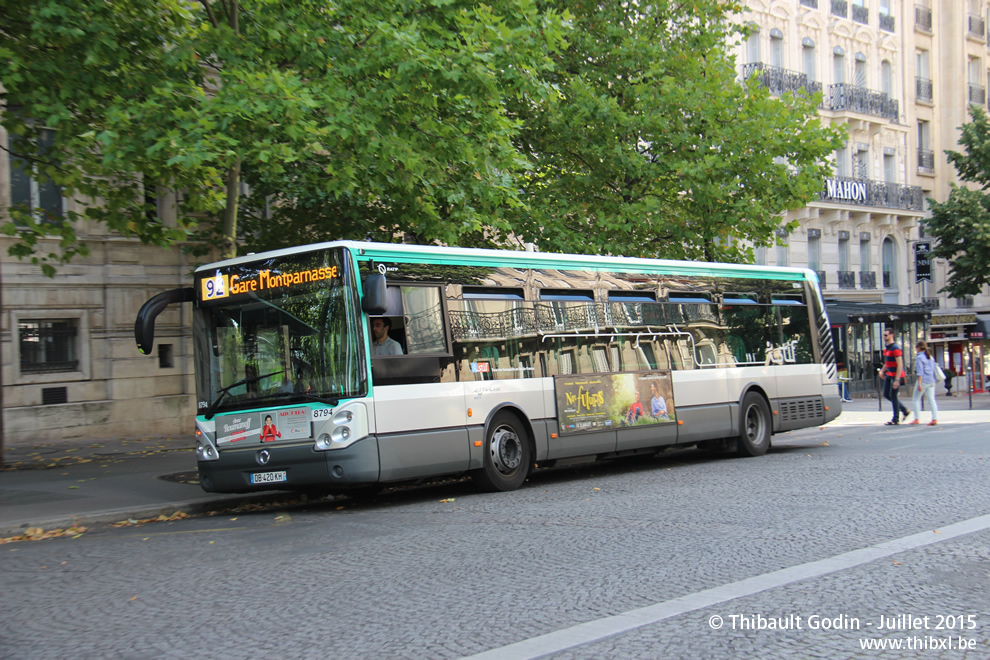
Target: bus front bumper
(296,467)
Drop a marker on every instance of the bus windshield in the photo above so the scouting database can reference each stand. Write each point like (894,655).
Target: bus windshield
(279,331)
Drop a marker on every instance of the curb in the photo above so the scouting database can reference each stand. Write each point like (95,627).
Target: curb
(107,516)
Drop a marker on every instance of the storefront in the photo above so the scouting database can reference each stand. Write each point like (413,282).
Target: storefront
(857,333)
(958,342)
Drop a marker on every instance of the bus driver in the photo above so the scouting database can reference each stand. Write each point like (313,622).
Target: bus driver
(381,343)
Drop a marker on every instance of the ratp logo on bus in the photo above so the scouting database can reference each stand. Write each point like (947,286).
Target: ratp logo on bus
(216,287)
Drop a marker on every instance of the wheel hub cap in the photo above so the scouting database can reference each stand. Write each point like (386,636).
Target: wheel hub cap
(506,451)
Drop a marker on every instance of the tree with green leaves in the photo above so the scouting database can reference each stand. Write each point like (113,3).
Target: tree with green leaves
(603,127)
(961,224)
(654,149)
(379,117)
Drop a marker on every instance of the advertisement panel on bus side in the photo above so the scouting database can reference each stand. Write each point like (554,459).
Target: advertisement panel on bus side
(596,402)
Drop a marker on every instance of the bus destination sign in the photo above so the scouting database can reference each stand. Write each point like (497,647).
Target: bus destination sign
(224,285)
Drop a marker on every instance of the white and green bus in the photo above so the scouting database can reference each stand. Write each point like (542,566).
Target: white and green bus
(488,362)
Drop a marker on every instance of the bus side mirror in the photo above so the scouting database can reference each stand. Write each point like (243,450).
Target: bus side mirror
(144,326)
(374,303)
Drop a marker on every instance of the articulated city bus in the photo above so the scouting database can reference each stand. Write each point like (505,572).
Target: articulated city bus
(349,365)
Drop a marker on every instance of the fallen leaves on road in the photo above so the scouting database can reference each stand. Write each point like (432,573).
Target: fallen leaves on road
(39,534)
(130,522)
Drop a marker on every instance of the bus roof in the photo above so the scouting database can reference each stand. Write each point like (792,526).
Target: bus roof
(435,254)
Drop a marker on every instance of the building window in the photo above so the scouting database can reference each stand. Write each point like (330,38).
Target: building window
(814,249)
(839,67)
(843,253)
(753,45)
(923,81)
(777,49)
(842,162)
(782,249)
(862,162)
(760,256)
(165,358)
(886,78)
(889,168)
(888,265)
(977,93)
(28,189)
(808,59)
(860,70)
(860,12)
(48,345)
(886,17)
(864,253)
(926,157)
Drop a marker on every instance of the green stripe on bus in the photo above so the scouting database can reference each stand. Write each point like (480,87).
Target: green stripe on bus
(567,262)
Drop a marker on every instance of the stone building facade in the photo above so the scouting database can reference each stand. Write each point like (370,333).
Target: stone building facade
(70,368)
(900,75)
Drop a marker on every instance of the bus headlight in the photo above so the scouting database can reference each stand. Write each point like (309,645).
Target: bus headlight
(347,426)
(206,450)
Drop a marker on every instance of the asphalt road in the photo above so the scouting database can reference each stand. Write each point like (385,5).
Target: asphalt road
(815,550)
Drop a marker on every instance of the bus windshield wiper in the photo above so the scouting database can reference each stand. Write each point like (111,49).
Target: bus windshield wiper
(303,395)
(223,390)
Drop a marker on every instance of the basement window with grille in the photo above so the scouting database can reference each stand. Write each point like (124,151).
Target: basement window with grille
(48,345)
(51,396)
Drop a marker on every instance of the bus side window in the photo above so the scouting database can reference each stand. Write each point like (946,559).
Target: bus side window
(423,320)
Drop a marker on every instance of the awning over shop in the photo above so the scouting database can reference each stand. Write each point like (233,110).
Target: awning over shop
(946,328)
(982,328)
(841,312)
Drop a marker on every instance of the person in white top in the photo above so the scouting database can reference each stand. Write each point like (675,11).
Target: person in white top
(924,369)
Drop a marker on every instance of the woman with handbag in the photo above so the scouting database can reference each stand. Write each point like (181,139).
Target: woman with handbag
(924,368)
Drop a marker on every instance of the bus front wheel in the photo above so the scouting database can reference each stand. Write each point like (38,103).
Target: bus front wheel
(754,436)
(507,455)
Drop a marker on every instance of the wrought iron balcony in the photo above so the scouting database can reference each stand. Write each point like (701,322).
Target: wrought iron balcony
(965,302)
(886,279)
(867,192)
(847,279)
(867,279)
(840,8)
(923,89)
(923,18)
(926,160)
(779,81)
(810,3)
(861,14)
(821,277)
(977,94)
(975,26)
(887,23)
(844,96)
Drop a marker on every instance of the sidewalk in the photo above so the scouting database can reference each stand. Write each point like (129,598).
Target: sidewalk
(57,485)
(86,482)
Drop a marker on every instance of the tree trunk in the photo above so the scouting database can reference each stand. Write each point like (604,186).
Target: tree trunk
(230,212)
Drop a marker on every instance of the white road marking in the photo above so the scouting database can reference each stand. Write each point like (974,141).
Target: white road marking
(594,631)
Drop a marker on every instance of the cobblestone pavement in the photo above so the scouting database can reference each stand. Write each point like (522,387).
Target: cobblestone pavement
(444,572)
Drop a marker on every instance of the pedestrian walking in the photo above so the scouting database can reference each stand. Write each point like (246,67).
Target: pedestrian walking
(924,367)
(893,371)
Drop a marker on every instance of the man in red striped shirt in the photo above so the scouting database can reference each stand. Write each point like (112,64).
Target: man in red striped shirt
(893,370)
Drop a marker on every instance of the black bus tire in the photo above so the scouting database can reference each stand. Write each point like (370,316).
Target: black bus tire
(508,455)
(755,426)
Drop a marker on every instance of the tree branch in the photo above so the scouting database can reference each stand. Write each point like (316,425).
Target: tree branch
(209,12)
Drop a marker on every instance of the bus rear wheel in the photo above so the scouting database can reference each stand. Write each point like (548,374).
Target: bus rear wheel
(508,455)
(754,434)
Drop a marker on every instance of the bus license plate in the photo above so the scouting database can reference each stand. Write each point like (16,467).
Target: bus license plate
(268,477)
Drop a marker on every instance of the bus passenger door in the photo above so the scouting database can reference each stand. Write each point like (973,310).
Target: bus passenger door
(419,408)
